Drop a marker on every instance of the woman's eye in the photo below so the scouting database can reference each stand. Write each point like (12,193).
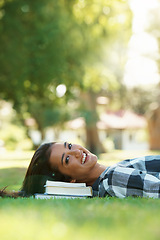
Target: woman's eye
(69,145)
(67,160)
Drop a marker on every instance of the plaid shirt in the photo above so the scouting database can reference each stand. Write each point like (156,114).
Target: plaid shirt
(131,177)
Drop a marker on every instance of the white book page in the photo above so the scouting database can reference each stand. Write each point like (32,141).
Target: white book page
(63,184)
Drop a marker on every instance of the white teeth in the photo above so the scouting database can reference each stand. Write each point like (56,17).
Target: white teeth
(83,158)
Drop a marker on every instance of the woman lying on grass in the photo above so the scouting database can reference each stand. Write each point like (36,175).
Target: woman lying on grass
(73,163)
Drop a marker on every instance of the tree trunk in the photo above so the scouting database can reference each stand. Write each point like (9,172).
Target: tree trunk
(92,140)
(154,128)
(91,117)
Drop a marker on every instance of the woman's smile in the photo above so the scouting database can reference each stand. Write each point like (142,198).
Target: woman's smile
(84,157)
(72,160)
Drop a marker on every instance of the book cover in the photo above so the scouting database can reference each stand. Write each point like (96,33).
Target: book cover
(76,191)
(46,196)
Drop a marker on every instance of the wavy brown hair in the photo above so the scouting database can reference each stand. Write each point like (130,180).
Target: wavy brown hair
(38,172)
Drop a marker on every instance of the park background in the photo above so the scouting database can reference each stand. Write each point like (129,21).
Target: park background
(85,72)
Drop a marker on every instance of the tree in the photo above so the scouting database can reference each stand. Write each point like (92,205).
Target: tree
(153,113)
(48,43)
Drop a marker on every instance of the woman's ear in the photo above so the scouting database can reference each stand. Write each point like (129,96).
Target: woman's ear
(73,181)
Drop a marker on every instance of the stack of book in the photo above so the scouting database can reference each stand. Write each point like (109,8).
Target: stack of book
(54,189)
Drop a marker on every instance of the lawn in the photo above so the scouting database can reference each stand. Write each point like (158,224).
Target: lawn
(108,218)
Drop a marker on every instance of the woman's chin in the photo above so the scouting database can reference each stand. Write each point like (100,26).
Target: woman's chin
(94,158)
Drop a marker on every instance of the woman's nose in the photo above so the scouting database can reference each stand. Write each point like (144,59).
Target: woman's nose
(77,152)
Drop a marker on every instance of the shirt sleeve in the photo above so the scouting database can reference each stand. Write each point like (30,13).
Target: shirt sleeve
(123,182)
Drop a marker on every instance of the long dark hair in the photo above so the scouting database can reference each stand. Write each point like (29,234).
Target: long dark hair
(38,172)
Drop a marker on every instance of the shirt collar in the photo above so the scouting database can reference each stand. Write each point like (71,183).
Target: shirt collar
(95,185)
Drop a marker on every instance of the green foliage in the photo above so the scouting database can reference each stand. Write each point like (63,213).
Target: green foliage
(140,104)
(50,42)
(15,137)
(47,43)
(12,133)
(98,79)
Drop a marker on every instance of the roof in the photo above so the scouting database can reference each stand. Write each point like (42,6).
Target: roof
(76,123)
(122,119)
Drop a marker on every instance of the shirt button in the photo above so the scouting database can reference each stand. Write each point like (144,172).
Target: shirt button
(140,172)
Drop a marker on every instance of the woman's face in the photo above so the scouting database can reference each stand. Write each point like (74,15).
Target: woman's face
(72,160)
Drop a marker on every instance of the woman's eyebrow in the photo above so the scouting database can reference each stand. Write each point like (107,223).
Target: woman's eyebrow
(65,143)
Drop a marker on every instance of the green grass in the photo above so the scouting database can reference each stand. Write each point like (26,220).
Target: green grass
(80,219)
(96,219)
(13,166)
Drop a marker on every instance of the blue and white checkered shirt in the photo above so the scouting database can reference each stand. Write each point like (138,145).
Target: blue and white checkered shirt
(132,177)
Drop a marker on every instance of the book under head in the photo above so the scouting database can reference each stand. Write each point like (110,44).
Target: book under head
(51,196)
(83,191)
(55,189)
(63,184)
